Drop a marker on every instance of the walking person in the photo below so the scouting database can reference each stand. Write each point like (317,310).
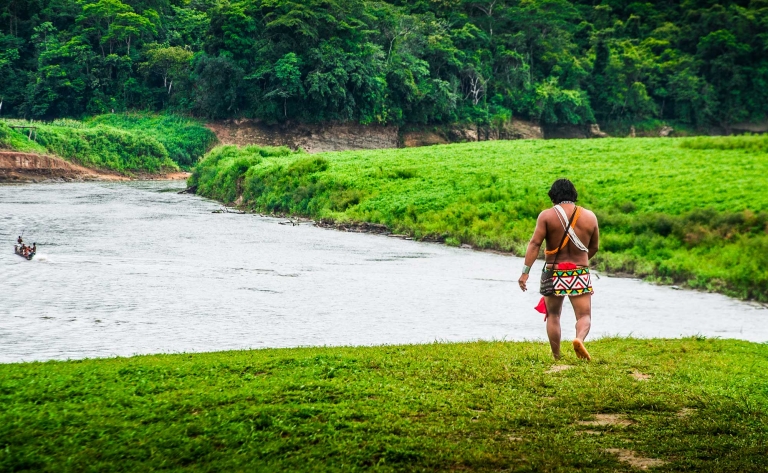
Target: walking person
(572,239)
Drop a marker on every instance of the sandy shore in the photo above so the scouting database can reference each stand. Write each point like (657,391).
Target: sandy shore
(31,167)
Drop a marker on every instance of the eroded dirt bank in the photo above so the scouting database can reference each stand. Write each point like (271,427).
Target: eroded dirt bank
(31,167)
(312,138)
(318,138)
(330,136)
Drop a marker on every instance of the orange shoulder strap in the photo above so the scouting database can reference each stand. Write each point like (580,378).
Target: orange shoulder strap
(567,237)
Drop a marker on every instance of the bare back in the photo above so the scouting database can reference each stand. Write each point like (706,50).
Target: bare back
(550,229)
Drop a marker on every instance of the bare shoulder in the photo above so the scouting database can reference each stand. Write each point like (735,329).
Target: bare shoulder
(588,215)
(546,215)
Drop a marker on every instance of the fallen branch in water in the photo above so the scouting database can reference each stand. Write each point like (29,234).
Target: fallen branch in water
(225,210)
(356,227)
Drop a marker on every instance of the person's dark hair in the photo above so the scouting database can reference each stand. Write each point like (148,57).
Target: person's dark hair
(562,190)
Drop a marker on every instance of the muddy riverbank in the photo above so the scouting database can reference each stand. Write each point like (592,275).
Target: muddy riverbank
(17,167)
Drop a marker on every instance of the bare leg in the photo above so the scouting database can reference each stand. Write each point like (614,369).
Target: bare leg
(554,306)
(582,307)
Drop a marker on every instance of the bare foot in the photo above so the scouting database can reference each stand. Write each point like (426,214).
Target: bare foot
(581,350)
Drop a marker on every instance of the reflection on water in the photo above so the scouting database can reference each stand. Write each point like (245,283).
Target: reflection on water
(127,268)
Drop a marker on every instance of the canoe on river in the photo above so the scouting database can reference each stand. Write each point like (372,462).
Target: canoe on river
(28,256)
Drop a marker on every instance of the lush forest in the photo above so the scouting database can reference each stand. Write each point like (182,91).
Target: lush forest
(697,62)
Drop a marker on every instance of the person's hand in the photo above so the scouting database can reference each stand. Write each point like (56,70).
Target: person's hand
(522,281)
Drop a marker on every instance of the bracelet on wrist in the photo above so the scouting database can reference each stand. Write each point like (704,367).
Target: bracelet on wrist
(526,269)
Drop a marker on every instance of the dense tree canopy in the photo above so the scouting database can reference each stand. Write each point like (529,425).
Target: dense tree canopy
(397,61)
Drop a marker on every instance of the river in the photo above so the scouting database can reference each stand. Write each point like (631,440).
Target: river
(134,268)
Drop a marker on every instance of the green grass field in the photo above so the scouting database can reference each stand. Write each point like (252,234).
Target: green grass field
(687,211)
(126,143)
(682,405)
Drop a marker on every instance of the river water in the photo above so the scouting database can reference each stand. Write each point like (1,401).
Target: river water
(133,268)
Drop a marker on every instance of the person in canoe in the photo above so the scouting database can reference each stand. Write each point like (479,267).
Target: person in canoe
(25,251)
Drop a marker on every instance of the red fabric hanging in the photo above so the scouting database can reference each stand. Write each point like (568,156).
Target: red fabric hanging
(542,305)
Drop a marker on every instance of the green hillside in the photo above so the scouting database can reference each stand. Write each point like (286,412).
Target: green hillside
(126,143)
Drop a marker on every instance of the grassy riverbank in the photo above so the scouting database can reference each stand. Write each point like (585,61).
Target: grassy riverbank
(689,211)
(186,140)
(694,404)
(123,143)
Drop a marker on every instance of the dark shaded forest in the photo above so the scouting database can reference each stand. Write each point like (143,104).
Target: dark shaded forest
(696,62)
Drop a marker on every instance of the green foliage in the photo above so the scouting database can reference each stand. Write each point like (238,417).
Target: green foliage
(105,147)
(751,143)
(288,78)
(439,407)
(171,63)
(228,172)
(123,143)
(667,211)
(12,140)
(185,140)
(437,62)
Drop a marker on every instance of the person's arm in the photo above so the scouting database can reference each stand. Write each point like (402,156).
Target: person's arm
(594,242)
(533,249)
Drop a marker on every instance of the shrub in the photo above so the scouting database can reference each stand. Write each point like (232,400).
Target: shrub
(221,174)
(107,148)
(186,140)
(11,139)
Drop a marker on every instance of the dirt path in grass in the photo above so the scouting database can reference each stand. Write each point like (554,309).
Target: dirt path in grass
(32,167)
